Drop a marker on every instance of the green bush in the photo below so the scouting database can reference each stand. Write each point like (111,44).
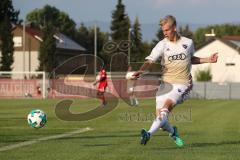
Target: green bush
(203,75)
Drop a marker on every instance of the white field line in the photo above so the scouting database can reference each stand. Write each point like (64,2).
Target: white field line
(27,143)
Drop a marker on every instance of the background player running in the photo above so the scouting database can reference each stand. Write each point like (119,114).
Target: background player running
(101,80)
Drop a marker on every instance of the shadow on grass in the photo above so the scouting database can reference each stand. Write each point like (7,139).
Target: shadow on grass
(107,136)
(196,145)
(101,136)
(213,144)
(99,145)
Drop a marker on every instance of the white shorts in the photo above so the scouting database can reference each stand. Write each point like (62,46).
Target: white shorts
(175,92)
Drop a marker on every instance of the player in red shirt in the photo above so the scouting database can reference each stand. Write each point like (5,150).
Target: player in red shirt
(102,80)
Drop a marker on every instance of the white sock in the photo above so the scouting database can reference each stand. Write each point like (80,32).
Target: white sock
(168,127)
(160,121)
(136,101)
(131,101)
(155,126)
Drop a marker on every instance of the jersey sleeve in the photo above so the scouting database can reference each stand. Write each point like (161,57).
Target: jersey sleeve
(156,53)
(192,48)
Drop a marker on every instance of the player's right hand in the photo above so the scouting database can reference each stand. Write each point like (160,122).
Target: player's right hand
(136,75)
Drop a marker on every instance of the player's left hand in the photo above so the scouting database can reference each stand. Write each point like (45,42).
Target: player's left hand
(213,58)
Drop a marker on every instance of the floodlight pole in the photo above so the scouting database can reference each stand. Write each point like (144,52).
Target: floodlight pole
(129,46)
(24,44)
(95,49)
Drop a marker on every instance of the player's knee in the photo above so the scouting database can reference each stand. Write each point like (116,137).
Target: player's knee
(163,113)
(99,93)
(163,116)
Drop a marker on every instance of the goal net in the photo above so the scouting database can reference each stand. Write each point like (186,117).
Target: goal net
(22,84)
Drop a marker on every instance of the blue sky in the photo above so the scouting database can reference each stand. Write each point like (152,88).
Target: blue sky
(196,13)
(148,11)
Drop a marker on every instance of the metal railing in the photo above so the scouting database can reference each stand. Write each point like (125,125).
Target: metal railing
(211,90)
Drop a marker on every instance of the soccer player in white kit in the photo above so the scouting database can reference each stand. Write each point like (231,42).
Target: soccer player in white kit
(176,54)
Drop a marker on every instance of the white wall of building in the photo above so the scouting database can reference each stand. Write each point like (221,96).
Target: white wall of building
(220,71)
(25,61)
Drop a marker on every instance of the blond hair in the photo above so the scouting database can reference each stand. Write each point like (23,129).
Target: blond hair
(171,20)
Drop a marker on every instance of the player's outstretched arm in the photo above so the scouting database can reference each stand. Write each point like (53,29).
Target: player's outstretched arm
(99,80)
(95,82)
(142,69)
(211,59)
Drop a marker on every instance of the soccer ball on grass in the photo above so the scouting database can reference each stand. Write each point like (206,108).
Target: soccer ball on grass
(37,118)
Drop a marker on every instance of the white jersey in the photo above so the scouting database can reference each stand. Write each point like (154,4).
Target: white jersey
(175,59)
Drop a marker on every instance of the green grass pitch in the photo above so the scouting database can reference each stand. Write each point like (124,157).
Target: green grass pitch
(210,129)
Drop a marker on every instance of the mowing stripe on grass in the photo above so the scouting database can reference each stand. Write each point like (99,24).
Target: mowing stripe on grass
(27,143)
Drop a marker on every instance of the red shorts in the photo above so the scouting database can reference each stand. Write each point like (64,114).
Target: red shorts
(102,87)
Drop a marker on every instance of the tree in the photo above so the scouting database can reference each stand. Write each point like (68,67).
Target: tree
(186,32)
(199,37)
(7,16)
(146,49)
(120,23)
(86,38)
(219,30)
(60,20)
(136,40)
(83,37)
(159,37)
(47,55)
(8,11)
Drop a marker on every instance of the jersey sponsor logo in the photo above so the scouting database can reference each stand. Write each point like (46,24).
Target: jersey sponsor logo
(180,56)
